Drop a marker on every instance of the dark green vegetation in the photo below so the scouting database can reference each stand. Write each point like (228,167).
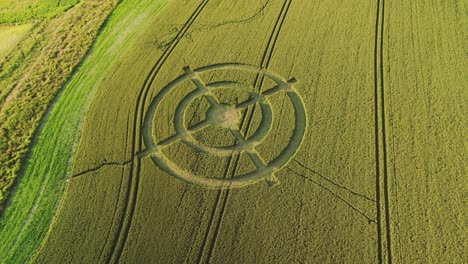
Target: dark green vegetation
(32,73)
(181,152)
(25,223)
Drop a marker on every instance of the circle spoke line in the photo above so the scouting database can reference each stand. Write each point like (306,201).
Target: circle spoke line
(248,103)
(211,99)
(275,89)
(168,141)
(288,86)
(256,159)
(237,134)
(201,86)
(182,136)
(199,126)
(251,152)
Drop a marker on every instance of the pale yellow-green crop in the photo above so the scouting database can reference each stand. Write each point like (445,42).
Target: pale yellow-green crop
(275,132)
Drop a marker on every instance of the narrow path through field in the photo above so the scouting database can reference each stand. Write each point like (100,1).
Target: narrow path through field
(223,195)
(131,194)
(384,246)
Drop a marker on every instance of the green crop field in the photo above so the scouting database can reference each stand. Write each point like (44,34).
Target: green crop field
(273,131)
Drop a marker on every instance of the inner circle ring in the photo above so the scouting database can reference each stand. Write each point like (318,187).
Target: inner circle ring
(179,124)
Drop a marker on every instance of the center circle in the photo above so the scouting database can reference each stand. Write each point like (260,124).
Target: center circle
(223,115)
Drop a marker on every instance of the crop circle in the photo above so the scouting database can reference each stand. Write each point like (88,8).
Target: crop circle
(226,116)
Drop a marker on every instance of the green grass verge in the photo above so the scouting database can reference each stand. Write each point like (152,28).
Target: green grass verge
(32,74)
(27,218)
(13,11)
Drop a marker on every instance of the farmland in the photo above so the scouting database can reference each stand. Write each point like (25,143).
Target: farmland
(10,36)
(290,132)
(32,73)
(12,11)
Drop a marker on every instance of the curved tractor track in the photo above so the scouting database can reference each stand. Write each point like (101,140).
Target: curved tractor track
(131,194)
